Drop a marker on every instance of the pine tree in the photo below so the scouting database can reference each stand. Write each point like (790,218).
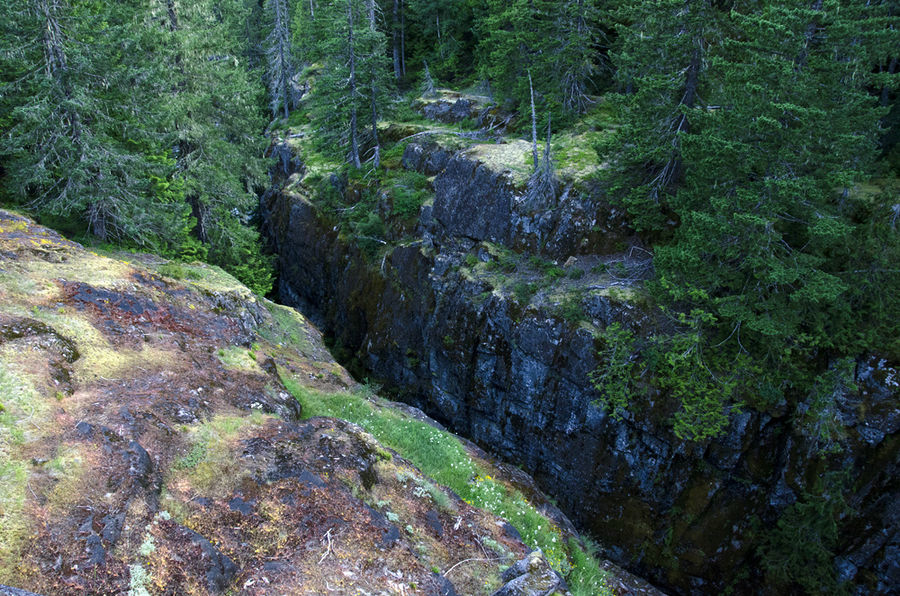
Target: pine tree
(765,206)
(281,69)
(662,69)
(76,147)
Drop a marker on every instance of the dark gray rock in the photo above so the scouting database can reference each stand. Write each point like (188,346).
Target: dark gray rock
(532,576)
(10,591)
(450,113)
(473,201)
(220,569)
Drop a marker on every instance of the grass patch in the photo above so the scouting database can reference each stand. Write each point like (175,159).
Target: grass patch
(290,328)
(409,191)
(442,457)
(18,403)
(19,406)
(238,358)
(13,523)
(209,466)
(178,271)
(586,578)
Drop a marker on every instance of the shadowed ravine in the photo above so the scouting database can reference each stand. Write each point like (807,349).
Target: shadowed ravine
(438,320)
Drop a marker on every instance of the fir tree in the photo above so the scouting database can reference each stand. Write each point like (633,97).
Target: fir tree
(213,119)
(75,147)
(355,83)
(281,69)
(662,69)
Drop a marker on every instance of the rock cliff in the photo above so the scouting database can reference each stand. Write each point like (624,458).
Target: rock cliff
(461,321)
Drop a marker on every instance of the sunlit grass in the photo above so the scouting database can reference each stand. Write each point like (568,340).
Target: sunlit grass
(441,456)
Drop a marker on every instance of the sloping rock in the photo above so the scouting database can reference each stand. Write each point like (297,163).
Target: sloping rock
(148,444)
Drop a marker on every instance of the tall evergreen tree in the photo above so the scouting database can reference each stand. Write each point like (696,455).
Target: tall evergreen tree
(441,34)
(554,41)
(281,69)
(213,118)
(75,142)
(765,210)
(750,154)
(661,67)
(356,81)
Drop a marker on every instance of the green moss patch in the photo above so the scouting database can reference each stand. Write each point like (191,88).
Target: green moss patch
(13,523)
(209,466)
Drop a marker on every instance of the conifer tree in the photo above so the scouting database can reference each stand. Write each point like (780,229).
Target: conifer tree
(661,67)
(281,69)
(441,31)
(355,83)
(213,119)
(75,147)
(765,208)
(551,40)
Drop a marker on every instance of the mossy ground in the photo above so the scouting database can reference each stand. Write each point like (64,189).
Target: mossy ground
(141,415)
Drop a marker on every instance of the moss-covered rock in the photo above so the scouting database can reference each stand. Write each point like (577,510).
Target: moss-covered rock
(149,445)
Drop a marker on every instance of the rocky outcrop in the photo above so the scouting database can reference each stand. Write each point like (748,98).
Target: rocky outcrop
(532,576)
(478,202)
(511,373)
(149,444)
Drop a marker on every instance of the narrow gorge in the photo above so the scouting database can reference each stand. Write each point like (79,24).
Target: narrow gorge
(453,312)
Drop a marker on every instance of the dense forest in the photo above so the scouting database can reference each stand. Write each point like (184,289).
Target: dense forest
(756,151)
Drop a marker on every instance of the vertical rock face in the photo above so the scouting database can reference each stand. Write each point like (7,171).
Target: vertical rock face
(514,378)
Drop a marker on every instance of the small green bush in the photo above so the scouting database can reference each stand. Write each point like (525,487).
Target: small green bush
(523,291)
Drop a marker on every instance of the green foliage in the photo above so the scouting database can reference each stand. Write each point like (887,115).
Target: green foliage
(741,138)
(73,146)
(799,550)
(410,190)
(586,578)
(523,291)
(572,309)
(141,131)
(819,419)
(614,376)
(352,90)
(441,36)
(553,41)
(683,369)
(178,271)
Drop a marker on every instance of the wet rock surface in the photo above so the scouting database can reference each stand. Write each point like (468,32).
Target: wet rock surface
(512,375)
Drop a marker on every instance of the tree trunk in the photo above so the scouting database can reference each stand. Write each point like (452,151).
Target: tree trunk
(97,220)
(376,159)
(354,133)
(173,16)
(283,58)
(534,138)
(402,38)
(886,91)
(395,35)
